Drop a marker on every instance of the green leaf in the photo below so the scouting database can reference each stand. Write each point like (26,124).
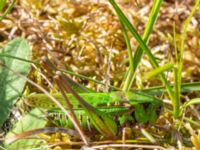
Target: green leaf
(140,114)
(11,86)
(150,113)
(29,122)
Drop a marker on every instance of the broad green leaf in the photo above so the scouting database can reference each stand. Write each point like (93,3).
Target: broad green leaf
(30,121)
(11,86)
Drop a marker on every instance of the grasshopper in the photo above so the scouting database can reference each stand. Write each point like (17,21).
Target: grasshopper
(100,108)
(121,105)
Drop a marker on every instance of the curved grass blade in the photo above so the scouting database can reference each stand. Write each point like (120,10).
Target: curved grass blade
(159,70)
(192,102)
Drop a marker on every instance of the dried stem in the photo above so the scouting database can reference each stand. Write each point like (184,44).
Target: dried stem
(53,99)
(42,130)
(69,106)
(70,90)
(129,146)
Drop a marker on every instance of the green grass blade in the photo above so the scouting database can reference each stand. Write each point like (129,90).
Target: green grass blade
(7,10)
(192,102)
(184,37)
(87,78)
(185,87)
(177,86)
(130,53)
(177,93)
(19,58)
(159,70)
(2,4)
(143,46)
(139,51)
(148,136)
(178,75)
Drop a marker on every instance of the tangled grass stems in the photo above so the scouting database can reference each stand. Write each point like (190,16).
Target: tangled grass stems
(139,51)
(179,69)
(143,45)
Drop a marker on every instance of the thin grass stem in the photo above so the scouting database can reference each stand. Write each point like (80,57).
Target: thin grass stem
(8,10)
(59,82)
(130,53)
(177,87)
(176,103)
